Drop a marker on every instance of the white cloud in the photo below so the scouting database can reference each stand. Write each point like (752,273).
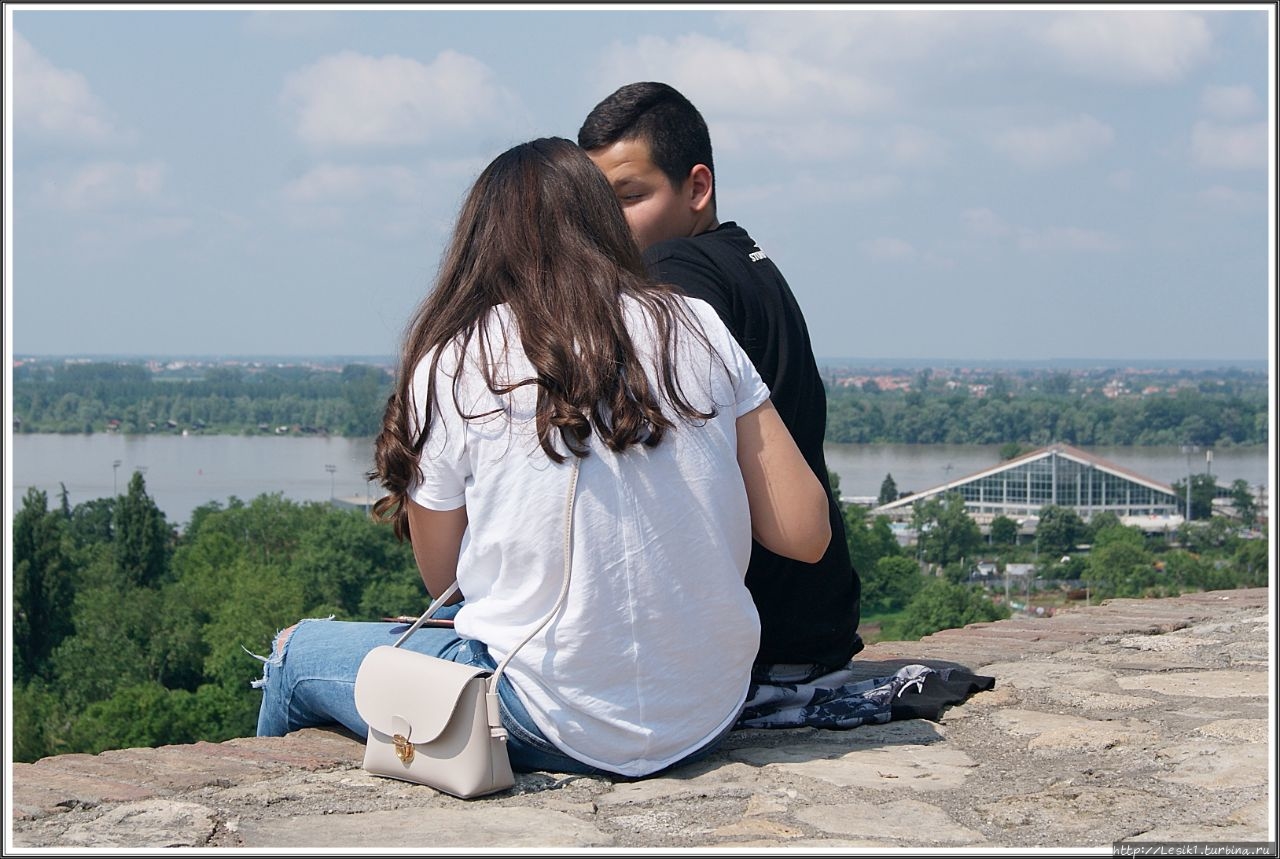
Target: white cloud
(888,248)
(318,218)
(809,190)
(350,99)
(1231,199)
(1233,147)
(858,37)
(1229,102)
(1129,46)
(107,185)
(1121,180)
(728,81)
(1066,239)
(292,23)
(118,238)
(55,103)
(340,182)
(912,146)
(984,222)
(395,200)
(819,139)
(1062,142)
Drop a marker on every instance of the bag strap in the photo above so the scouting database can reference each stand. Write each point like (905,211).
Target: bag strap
(564,586)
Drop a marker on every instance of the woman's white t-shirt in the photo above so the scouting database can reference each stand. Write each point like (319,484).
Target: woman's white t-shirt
(651,655)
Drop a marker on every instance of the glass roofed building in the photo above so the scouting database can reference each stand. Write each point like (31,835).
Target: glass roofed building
(1060,475)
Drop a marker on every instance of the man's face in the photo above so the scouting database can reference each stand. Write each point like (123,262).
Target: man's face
(654,209)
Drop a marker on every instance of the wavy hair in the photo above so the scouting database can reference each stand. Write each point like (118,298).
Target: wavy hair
(542,233)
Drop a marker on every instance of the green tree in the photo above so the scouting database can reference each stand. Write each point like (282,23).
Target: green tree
(1113,534)
(1004,531)
(1122,569)
(863,548)
(890,584)
(947,533)
(42,585)
(40,721)
(1010,450)
(141,537)
(109,650)
(1058,531)
(1243,500)
(1251,562)
(1100,521)
(1058,384)
(1204,488)
(1187,571)
(93,522)
(888,490)
(1204,535)
(143,715)
(941,604)
(366,389)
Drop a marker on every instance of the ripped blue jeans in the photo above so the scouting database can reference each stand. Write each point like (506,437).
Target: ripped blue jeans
(309,680)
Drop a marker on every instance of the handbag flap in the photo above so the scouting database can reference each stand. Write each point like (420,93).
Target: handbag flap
(399,691)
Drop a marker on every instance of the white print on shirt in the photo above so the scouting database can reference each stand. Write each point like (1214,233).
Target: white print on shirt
(756,256)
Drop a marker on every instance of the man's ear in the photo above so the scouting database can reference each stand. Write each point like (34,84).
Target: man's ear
(700,186)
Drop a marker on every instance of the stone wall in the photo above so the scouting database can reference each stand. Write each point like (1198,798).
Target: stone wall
(1136,719)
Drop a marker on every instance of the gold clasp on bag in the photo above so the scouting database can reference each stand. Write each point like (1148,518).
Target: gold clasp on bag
(404,748)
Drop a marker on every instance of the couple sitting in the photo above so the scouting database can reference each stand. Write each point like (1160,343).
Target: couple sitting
(591,306)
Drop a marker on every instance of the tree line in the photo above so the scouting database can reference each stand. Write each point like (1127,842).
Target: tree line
(1189,416)
(123,397)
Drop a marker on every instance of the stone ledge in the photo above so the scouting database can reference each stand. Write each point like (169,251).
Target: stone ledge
(1093,733)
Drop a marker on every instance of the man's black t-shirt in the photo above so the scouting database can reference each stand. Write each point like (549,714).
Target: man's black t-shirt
(808,612)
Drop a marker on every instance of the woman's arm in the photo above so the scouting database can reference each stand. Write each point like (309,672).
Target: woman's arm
(437,539)
(789,513)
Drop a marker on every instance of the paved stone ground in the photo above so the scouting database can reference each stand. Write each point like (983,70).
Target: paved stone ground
(1137,719)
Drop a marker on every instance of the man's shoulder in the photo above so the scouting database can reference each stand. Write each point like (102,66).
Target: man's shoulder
(726,241)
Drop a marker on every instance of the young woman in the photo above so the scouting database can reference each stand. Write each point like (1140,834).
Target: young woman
(541,341)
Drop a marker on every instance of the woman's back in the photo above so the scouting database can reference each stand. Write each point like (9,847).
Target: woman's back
(542,340)
(651,654)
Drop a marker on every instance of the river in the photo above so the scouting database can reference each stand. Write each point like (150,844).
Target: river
(185,472)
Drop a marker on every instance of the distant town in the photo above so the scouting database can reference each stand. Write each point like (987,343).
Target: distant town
(1112,378)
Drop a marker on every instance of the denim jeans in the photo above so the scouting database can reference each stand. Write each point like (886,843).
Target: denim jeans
(310,681)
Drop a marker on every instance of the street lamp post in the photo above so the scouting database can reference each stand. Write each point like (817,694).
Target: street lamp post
(1189,449)
(331,469)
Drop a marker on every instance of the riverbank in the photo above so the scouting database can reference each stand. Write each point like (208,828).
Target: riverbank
(183,473)
(1143,720)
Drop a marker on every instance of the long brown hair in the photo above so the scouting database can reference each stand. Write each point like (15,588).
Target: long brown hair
(541,232)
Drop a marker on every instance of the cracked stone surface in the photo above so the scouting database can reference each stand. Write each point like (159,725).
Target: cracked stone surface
(1101,727)
(1202,684)
(900,820)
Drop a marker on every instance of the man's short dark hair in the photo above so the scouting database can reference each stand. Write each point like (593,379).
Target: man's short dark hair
(660,116)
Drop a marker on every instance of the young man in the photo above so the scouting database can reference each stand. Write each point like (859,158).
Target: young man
(654,147)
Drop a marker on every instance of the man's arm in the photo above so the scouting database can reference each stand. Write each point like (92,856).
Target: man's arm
(789,512)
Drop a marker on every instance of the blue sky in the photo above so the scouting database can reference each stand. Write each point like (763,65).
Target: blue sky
(967,183)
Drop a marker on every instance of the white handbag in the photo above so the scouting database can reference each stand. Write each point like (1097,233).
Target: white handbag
(436,722)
